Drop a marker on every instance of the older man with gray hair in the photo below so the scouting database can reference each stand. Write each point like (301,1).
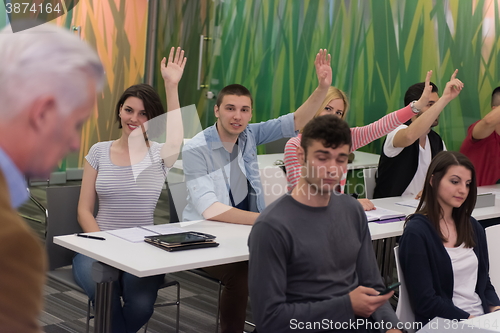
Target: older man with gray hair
(48,84)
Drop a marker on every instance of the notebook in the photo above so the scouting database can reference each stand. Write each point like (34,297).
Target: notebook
(385,215)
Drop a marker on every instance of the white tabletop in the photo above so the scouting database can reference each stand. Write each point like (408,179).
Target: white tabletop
(142,259)
(478,213)
(392,229)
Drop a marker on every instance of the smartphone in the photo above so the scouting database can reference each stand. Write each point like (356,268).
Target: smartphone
(388,289)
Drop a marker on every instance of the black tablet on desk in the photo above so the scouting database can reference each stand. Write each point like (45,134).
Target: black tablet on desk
(182,241)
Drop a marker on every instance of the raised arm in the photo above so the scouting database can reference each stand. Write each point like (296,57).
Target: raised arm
(87,199)
(423,123)
(324,72)
(487,125)
(361,136)
(171,72)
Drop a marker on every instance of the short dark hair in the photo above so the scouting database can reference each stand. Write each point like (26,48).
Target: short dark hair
(329,129)
(234,89)
(495,97)
(415,91)
(429,204)
(150,98)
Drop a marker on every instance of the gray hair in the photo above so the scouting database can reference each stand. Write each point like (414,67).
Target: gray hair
(45,61)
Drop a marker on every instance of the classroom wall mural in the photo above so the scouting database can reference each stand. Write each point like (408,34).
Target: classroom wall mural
(117,31)
(378,49)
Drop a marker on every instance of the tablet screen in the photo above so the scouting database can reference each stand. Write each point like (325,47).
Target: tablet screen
(183,237)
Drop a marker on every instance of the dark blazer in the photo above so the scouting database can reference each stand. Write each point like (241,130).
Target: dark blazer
(394,174)
(428,273)
(22,270)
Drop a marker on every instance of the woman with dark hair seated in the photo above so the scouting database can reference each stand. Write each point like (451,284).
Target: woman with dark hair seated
(127,175)
(443,251)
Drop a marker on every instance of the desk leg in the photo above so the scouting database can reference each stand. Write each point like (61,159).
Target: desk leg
(384,252)
(104,276)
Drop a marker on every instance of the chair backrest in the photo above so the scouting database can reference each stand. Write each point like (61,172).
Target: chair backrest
(274,183)
(493,240)
(369,177)
(62,204)
(62,207)
(177,199)
(403,309)
(276,147)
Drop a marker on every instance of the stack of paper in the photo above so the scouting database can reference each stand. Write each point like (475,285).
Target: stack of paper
(137,234)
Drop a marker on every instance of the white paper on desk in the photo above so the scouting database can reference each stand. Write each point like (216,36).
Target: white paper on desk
(413,203)
(382,214)
(165,229)
(134,235)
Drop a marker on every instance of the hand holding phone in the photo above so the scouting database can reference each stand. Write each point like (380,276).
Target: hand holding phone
(390,288)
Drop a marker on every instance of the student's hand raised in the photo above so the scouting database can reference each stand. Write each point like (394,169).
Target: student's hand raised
(365,301)
(172,71)
(426,94)
(323,69)
(453,87)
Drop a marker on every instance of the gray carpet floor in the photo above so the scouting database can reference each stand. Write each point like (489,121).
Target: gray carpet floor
(65,309)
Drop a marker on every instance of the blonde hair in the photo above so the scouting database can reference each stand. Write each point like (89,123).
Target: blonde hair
(334,93)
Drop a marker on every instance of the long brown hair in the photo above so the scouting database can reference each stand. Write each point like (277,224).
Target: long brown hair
(429,204)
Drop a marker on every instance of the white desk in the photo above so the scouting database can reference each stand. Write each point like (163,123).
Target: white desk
(142,259)
(478,213)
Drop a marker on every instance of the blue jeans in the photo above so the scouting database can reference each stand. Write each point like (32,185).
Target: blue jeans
(138,294)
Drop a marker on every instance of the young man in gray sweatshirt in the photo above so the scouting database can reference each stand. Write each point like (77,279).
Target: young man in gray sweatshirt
(312,267)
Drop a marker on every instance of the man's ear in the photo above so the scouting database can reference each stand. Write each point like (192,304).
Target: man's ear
(43,112)
(216,111)
(301,155)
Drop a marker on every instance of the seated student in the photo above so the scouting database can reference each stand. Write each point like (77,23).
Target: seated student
(443,251)
(126,200)
(336,103)
(296,274)
(408,150)
(482,144)
(222,175)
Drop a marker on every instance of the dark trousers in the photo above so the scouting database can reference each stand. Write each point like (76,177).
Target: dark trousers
(234,298)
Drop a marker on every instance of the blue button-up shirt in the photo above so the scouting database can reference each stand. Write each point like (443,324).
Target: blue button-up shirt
(16,182)
(206,165)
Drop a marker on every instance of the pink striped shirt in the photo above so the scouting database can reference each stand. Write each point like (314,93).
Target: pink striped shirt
(361,136)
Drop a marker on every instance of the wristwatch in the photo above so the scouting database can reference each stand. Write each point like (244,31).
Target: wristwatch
(413,108)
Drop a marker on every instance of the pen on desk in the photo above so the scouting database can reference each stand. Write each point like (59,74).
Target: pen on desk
(91,237)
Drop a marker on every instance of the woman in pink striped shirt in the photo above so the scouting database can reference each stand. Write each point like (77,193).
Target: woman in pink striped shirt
(336,103)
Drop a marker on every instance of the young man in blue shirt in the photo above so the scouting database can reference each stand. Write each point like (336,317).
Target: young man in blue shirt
(222,174)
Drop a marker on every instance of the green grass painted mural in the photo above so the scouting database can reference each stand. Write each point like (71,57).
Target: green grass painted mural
(379,48)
